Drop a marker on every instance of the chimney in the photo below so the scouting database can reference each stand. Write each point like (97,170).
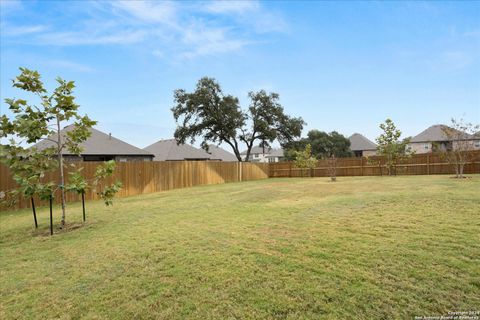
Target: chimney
(110,136)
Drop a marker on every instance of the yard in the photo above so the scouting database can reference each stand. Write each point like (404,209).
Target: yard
(360,248)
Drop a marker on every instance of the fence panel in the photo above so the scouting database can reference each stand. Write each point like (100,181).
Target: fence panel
(418,164)
(147,177)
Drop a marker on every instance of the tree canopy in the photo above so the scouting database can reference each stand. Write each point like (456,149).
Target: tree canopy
(209,114)
(323,145)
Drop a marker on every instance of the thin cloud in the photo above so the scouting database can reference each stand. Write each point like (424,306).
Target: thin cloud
(232,6)
(65,64)
(155,12)
(84,38)
(453,60)
(173,28)
(12,31)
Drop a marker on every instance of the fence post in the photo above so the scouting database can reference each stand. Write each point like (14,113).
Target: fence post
(290,171)
(241,173)
(362,165)
(428,164)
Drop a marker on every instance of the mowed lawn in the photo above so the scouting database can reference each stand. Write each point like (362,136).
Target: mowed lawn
(360,248)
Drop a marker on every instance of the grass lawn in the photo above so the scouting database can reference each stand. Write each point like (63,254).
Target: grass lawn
(360,248)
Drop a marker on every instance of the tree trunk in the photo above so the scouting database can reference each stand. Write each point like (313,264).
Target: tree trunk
(34,213)
(62,177)
(234,148)
(51,217)
(83,205)
(249,149)
(460,169)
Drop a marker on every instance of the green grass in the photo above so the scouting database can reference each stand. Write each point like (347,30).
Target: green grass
(360,248)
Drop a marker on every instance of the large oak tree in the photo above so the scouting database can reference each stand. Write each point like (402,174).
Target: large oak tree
(213,116)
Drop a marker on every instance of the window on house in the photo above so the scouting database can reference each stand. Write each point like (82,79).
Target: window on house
(477,144)
(98,158)
(426,146)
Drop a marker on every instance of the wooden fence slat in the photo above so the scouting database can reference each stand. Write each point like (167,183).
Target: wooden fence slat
(415,165)
(147,177)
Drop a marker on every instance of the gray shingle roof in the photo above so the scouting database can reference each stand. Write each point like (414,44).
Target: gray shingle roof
(359,142)
(256,149)
(436,133)
(275,153)
(169,150)
(217,153)
(98,143)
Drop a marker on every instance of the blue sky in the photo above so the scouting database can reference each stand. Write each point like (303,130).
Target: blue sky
(342,66)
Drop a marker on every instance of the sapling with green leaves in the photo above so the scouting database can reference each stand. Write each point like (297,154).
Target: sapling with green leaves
(27,169)
(461,136)
(45,192)
(305,160)
(391,147)
(78,184)
(106,191)
(33,123)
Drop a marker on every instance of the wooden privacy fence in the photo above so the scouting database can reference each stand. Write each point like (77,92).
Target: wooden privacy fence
(154,176)
(147,177)
(420,164)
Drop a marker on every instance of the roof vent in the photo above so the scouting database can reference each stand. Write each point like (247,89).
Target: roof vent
(110,136)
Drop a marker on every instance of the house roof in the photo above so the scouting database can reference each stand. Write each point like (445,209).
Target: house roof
(257,149)
(437,133)
(217,153)
(168,150)
(359,142)
(98,143)
(275,153)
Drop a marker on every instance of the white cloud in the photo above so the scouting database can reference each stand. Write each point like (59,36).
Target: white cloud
(208,41)
(157,12)
(65,64)
(232,6)
(167,29)
(11,31)
(85,38)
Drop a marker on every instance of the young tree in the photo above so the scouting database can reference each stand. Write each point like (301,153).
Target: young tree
(78,183)
(27,168)
(305,160)
(210,114)
(332,168)
(461,136)
(33,123)
(391,147)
